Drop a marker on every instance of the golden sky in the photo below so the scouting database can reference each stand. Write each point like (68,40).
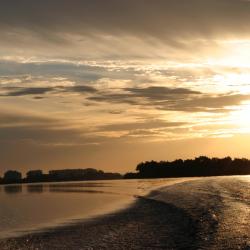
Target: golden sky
(107,84)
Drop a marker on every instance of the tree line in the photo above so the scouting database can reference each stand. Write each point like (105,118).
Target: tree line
(13,176)
(200,166)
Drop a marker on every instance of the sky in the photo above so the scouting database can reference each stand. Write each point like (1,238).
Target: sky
(108,84)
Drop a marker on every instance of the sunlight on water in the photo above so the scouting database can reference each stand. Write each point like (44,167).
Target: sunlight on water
(35,206)
(200,213)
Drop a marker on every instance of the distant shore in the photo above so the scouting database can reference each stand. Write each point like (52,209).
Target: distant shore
(202,166)
(64,175)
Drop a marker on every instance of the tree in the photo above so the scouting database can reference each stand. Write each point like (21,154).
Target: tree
(200,166)
(34,175)
(12,176)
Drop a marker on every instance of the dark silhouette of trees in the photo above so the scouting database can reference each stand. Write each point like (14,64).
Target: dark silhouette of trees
(58,175)
(12,176)
(81,174)
(130,175)
(200,166)
(35,176)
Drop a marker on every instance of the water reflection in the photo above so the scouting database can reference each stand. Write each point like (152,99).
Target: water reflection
(86,187)
(74,190)
(41,205)
(79,184)
(35,188)
(13,189)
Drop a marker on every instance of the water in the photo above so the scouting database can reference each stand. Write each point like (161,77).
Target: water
(185,213)
(34,207)
(218,206)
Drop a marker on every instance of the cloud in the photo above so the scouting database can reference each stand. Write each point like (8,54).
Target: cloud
(28,91)
(210,103)
(80,89)
(21,127)
(159,93)
(118,73)
(22,91)
(15,119)
(19,72)
(145,125)
(173,99)
(46,68)
(102,30)
(178,17)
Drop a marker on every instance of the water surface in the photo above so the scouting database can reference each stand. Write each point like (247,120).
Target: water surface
(185,213)
(32,207)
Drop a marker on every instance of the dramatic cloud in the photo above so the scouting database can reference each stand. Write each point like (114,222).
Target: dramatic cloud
(22,91)
(94,81)
(116,29)
(173,99)
(158,18)
(28,91)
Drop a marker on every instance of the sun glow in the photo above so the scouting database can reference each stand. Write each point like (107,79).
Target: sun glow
(236,54)
(239,82)
(241,118)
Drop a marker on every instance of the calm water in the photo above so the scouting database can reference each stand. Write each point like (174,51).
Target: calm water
(26,208)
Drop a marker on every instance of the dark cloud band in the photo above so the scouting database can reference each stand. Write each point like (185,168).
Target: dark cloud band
(165,19)
(173,99)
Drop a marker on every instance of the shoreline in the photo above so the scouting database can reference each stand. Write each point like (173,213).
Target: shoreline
(104,197)
(121,179)
(196,214)
(146,224)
